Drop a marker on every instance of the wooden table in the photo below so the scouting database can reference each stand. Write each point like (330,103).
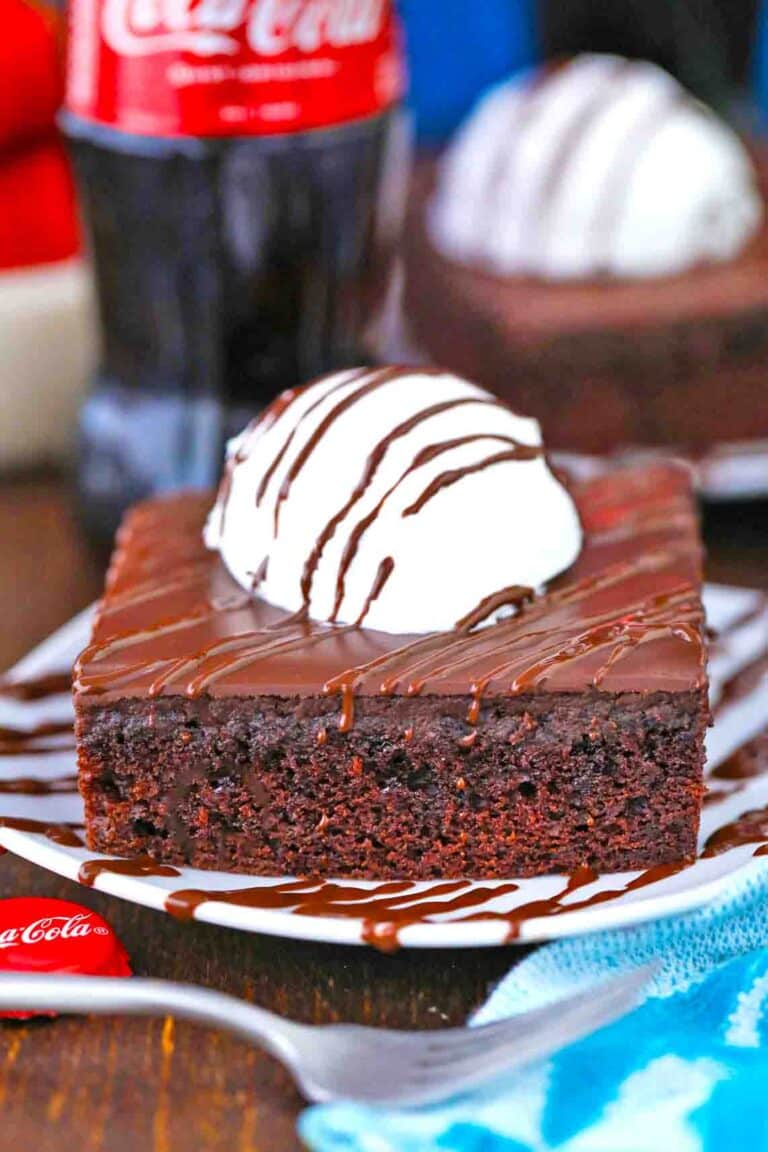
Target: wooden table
(82,1085)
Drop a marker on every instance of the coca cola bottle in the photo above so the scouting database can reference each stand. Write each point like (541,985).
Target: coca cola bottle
(241,166)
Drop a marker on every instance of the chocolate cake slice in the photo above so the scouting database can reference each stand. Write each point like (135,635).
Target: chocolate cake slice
(592,246)
(217,730)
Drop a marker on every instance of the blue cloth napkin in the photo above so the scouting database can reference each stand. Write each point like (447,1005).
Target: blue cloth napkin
(687,1071)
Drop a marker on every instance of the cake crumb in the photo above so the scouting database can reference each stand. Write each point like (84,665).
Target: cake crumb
(527,724)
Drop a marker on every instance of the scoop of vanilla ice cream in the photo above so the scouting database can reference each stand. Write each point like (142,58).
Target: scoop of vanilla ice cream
(599,167)
(398,498)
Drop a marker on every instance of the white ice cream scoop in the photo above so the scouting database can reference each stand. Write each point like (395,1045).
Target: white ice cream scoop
(401,498)
(599,166)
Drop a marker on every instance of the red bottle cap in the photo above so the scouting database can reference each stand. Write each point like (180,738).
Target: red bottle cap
(41,935)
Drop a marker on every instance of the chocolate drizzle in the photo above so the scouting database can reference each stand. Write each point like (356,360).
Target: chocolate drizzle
(261,492)
(750,615)
(613,199)
(36,786)
(371,381)
(255,429)
(605,89)
(515,596)
(387,908)
(453,475)
(59,833)
(624,603)
(742,683)
(90,870)
(750,759)
(385,570)
(748,762)
(440,656)
(749,828)
(37,741)
(574,132)
(444,480)
(37,687)
(373,462)
(556,905)
(260,575)
(619,637)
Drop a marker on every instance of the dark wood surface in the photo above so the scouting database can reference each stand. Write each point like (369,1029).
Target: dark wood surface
(117,1085)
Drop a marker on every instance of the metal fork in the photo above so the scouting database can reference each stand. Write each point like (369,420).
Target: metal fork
(345,1061)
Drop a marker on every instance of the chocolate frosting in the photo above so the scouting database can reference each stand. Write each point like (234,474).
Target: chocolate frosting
(626,617)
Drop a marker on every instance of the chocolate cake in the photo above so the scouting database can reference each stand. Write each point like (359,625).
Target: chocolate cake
(606,352)
(680,361)
(217,730)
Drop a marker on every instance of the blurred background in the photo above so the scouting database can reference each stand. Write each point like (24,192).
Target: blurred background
(458,49)
(158,286)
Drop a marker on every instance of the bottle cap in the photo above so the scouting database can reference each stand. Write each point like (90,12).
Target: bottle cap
(43,935)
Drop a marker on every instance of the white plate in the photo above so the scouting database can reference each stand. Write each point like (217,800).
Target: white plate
(739,616)
(727,471)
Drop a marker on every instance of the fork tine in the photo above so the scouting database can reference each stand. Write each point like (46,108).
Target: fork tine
(636,979)
(480,1037)
(454,1042)
(556,1031)
(556,1027)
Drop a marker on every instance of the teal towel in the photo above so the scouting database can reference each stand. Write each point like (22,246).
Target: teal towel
(687,1071)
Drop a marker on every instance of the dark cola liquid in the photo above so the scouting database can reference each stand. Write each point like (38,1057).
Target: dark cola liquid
(226,271)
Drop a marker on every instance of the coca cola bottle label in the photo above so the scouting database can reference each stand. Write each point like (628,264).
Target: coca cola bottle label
(231,67)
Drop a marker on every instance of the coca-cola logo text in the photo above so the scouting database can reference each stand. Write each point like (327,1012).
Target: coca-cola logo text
(52,928)
(224,68)
(212,27)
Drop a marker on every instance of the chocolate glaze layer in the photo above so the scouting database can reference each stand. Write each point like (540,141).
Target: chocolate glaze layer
(626,617)
(37,687)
